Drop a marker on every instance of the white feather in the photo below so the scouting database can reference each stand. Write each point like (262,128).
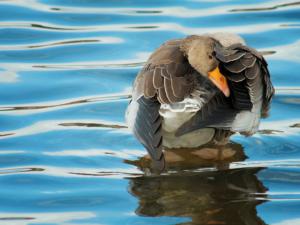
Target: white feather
(131,114)
(226,39)
(177,114)
(247,121)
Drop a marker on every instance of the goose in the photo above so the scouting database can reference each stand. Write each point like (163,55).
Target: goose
(197,90)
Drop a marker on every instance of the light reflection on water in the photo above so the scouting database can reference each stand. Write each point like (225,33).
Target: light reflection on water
(66,156)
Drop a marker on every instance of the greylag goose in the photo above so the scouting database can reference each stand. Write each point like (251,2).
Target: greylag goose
(198,90)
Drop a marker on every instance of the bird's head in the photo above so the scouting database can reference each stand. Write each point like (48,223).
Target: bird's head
(199,51)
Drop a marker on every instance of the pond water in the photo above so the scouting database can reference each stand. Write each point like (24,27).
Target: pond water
(66,156)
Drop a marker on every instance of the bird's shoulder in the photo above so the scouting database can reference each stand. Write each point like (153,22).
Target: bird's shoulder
(168,52)
(167,74)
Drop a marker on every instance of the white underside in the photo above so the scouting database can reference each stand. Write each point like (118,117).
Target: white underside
(174,116)
(191,140)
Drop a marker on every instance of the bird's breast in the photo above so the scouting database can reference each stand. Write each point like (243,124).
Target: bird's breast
(175,115)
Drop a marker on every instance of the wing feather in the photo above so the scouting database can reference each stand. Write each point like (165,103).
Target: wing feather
(248,76)
(158,80)
(167,74)
(147,128)
(164,79)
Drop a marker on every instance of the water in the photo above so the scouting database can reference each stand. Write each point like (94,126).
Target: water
(66,157)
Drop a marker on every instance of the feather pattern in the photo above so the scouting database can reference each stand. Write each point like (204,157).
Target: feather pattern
(147,128)
(169,80)
(248,76)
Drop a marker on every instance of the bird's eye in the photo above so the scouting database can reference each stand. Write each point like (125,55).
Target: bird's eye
(210,56)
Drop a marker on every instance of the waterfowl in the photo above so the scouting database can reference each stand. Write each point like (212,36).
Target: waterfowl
(197,90)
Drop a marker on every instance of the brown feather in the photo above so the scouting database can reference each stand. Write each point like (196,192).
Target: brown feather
(169,91)
(149,90)
(158,81)
(166,74)
(162,97)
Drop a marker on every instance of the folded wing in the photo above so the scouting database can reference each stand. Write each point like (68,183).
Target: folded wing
(251,91)
(166,78)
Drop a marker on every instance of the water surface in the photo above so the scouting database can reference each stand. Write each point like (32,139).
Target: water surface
(66,156)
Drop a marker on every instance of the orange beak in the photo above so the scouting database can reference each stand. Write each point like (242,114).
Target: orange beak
(219,80)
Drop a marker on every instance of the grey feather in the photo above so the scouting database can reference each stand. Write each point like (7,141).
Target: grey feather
(248,62)
(253,71)
(147,127)
(231,57)
(236,77)
(235,67)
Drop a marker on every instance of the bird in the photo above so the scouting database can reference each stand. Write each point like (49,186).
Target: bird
(196,90)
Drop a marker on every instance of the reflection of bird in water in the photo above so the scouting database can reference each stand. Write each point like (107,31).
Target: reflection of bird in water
(198,90)
(194,188)
(221,197)
(207,156)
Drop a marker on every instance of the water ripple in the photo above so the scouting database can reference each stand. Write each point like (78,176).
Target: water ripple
(117,173)
(284,5)
(103,40)
(38,107)
(47,126)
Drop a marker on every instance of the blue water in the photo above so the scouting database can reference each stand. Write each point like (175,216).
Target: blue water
(66,156)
